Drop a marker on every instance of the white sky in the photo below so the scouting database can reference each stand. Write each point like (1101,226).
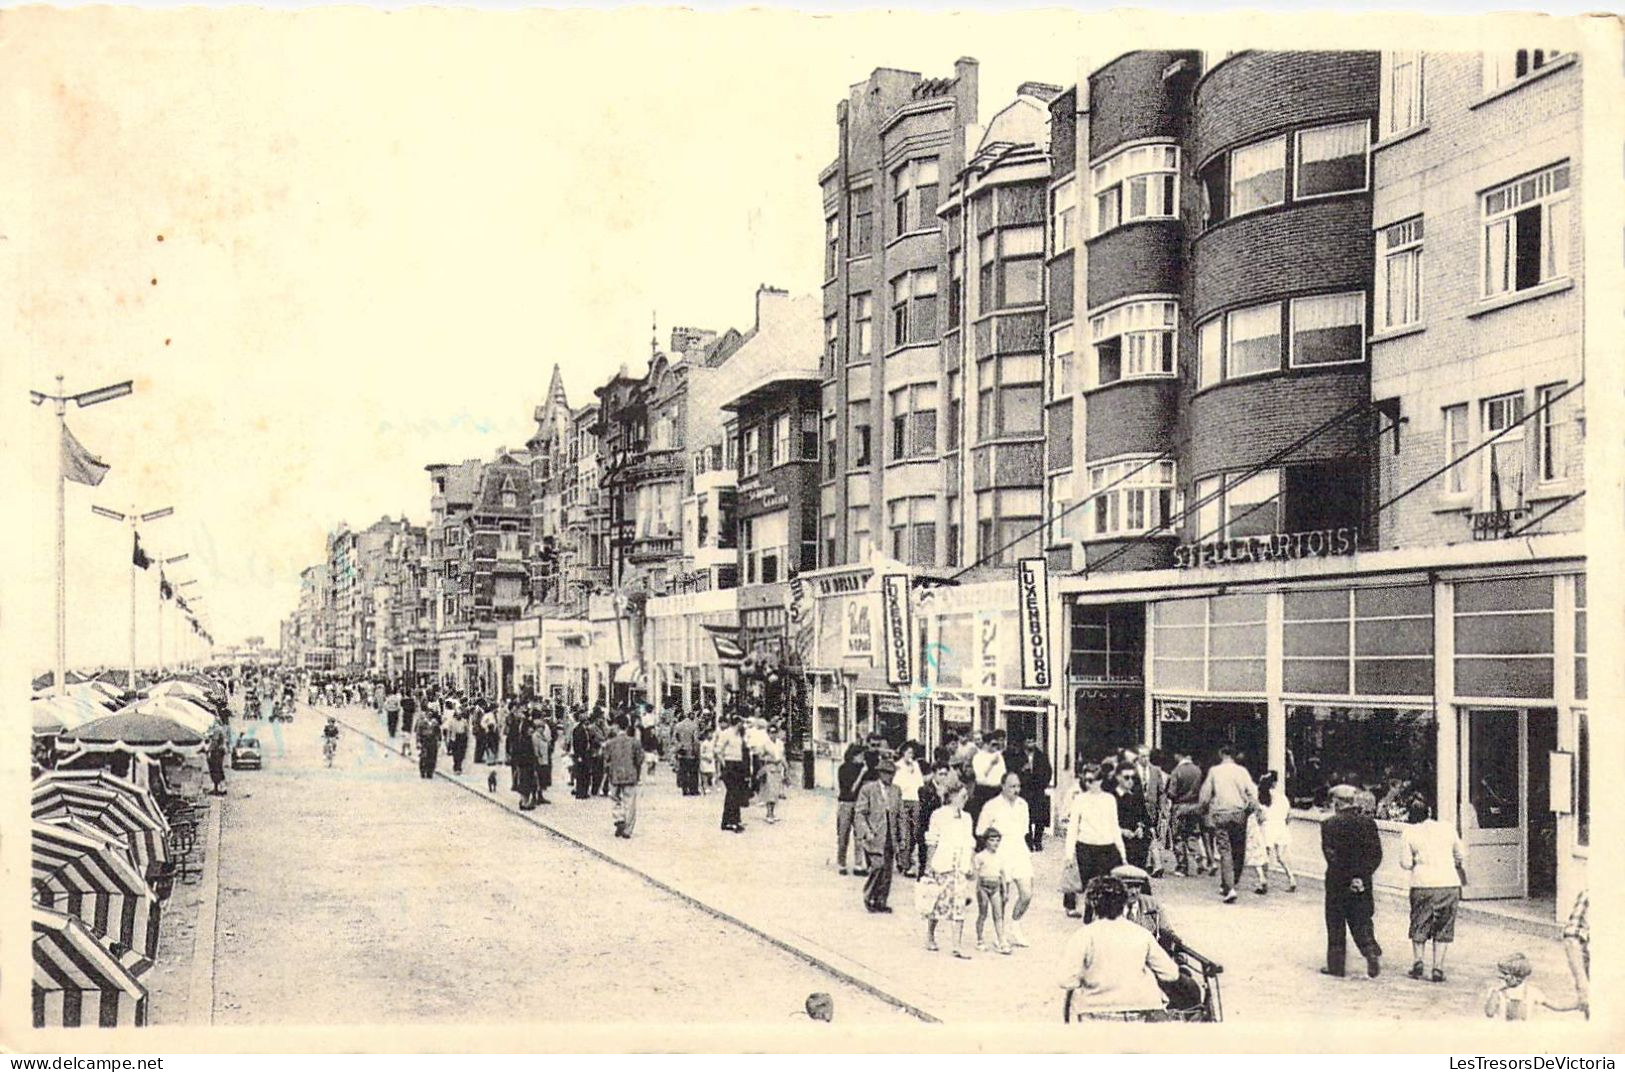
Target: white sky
(379,233)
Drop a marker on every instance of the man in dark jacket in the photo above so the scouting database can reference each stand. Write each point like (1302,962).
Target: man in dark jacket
(581,759)
(1353,851)
(623,760)
(1034,768)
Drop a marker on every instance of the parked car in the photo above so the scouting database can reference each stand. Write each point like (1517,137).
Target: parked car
(246,754)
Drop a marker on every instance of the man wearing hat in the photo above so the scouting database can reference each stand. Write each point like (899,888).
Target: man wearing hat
(1353,851)
(876,819)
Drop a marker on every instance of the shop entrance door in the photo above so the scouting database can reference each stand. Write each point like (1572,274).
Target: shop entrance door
(1494,801)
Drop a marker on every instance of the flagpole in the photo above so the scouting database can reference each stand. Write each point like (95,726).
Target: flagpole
(61,538)
(137,536)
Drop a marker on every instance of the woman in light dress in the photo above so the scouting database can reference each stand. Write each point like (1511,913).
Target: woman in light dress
(1266,833)
(953,852)
(772,773)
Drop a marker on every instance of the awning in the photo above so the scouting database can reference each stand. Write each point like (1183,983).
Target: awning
(95,879)
(630,674)
(79,980)
(109,804)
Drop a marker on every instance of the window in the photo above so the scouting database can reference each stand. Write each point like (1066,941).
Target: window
(1136,184)
(832,341)
(1060,363)
(1134,340)
(1257,176)
(1503,459)
(914,422)
(859,415)
(1526,231)
(1504,637)
(862,542)
(1063,217)
(1501,69)
(1389,751)
(1374,641)
(832,458)
(730,453)
(863,327)
(832,245)
(1061,513)
(1252,341)
(1399,274)
(1130,496)
(508,544)
(753,452)
(765,543)
(951,536)
(1009,524)
(1009,396)
(956,287)
(510,500)
(914,196)
(914,530)
(863,224)
(1011,268)
(1210,353)
(1455,448)
(1402,108)
(781,440)
(828,527)
(1582,776)
(1331,160)
(1554,440)
(1233,507)
(914,307)
(1328,329)
(956,410)
(809,437)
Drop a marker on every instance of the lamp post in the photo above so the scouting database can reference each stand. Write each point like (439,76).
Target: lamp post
(61,399)
(135,519)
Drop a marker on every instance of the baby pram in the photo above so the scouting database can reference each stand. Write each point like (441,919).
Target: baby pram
(1194,996)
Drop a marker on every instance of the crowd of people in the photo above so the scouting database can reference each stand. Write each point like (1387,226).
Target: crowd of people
(966,819)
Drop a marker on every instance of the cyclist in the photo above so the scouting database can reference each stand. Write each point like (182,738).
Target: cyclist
(330,739)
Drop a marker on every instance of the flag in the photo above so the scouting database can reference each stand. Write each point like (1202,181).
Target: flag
(726,640)
(164,589)
(140,558)
(180,601)
(78,464)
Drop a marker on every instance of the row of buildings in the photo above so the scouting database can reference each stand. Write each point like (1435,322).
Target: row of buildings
(1273,358)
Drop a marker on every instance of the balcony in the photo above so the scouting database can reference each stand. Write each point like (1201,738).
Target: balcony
(654,548)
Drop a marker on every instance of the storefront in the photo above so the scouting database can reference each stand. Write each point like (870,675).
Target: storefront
(1460,681)
(688,672)
(566,673)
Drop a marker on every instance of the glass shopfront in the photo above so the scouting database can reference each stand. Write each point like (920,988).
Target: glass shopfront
(1391,752)
(1200,728)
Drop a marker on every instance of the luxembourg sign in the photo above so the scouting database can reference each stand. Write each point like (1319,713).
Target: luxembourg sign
(896,631)
(1276,547)
(1032,610)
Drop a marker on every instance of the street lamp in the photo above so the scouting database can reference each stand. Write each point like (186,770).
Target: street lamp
(135,518)
(82,399)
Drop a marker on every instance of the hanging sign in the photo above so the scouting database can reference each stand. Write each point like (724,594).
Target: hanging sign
(1032,611)
(897,628)
(857,630)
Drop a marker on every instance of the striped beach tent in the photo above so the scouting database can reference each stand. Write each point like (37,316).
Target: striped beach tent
(95,879)
(105,779)
(127,814)
(80,980)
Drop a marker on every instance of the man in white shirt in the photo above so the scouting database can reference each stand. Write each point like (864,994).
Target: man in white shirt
(1008,814)
(1228,796)
(987,767)
(909,780)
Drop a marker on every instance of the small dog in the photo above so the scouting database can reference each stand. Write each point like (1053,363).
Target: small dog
(491,782)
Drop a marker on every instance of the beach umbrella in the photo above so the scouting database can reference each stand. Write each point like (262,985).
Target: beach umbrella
(94,878)
(133,731)
(101,801)
(81,979)
(70,711)
(192,714)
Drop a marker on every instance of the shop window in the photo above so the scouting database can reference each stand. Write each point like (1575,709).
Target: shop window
(1135,340)
(1402,102)
(1107,642)
(1526,231)
(1136,184)
(1368,641)
(1130,496)
(1200,728)
(1389,751)
(1504,638)
(1331,160)
(1581,686)
(1399,274)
